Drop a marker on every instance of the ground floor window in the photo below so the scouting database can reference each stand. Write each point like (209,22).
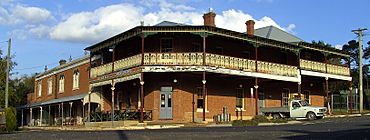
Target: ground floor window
(285,97)
(240,98)
(200,98)
(306,95)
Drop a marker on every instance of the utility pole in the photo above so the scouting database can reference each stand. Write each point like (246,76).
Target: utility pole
(359,33)
(7,75)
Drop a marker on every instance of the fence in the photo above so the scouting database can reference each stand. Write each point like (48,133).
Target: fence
(342,102)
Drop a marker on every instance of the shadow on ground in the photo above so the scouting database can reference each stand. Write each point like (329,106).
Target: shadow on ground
(353,134)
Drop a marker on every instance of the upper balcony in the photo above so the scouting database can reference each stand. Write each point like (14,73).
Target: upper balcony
(324,68)
(196,59)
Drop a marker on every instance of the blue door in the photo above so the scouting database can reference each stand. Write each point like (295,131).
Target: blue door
(165,103)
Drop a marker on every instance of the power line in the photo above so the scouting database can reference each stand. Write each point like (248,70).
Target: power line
(41,66)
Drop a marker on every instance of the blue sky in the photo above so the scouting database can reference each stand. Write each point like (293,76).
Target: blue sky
(44,31)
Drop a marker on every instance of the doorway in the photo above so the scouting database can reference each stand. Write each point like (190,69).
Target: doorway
(165,103)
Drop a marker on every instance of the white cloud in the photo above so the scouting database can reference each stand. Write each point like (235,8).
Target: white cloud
(290,28)
(31,14)
(94,26)
(23,14)
(338,46)
(104,22)
(40,31)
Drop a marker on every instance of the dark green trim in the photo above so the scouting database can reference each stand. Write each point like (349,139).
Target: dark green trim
(146,34)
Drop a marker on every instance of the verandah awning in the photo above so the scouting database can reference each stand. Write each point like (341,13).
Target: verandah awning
(59,100)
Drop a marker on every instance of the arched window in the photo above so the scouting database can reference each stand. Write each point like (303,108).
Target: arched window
(76,79)
(39,86)
(61,83)
(50,86)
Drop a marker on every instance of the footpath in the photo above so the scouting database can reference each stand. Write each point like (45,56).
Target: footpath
(163,125)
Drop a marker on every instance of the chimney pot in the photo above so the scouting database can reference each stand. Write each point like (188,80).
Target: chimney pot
(250,27)
(62,62)
(209,19)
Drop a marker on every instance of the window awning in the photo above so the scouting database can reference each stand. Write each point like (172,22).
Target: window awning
(59,100)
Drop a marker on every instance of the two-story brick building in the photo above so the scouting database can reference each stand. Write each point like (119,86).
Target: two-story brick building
(179,72)
(60,94)
(188,73)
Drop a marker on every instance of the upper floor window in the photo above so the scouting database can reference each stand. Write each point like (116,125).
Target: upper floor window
(166,45)
(61,83)
(76,79)
(219,50)
(50,86)
(246,55)
(39,87)
(197,47)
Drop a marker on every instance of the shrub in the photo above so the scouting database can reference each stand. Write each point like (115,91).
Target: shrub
(260,119)
(279,120)
(11,120)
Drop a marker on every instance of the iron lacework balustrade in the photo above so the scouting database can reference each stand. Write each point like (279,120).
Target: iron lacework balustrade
(196,59)
(324,68)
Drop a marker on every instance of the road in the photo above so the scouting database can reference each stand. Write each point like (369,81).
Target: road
(339,128)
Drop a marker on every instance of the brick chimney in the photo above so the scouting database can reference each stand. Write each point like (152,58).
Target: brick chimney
(62,62)
(209,18)
(250,27)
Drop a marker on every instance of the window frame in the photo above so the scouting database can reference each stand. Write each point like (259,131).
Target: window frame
(219,50)
(50,86)
(305,93)
(242,99)
(197,98)
(61,83)
(283,102)
(161,45)
(76,80)
(39,87)
(196,47)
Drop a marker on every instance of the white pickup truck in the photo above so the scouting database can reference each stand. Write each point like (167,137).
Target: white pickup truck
(295,109)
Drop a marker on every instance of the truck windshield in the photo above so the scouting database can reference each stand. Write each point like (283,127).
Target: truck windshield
(304,103)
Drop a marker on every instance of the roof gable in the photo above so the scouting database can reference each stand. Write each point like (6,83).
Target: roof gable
(169,23)
(275,33)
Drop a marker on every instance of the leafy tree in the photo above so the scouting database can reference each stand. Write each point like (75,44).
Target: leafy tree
(3,80)
(332,60)
(22,86)
(352,47)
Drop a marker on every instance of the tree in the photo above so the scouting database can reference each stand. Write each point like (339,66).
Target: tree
(352,48)
(22,86)
(331,60)
(3,80)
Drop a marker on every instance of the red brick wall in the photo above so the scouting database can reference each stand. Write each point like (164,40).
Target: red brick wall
(221,91)
(68,77)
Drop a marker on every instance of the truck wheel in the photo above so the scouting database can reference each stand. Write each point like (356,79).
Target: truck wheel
(311,116)
(276,116)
